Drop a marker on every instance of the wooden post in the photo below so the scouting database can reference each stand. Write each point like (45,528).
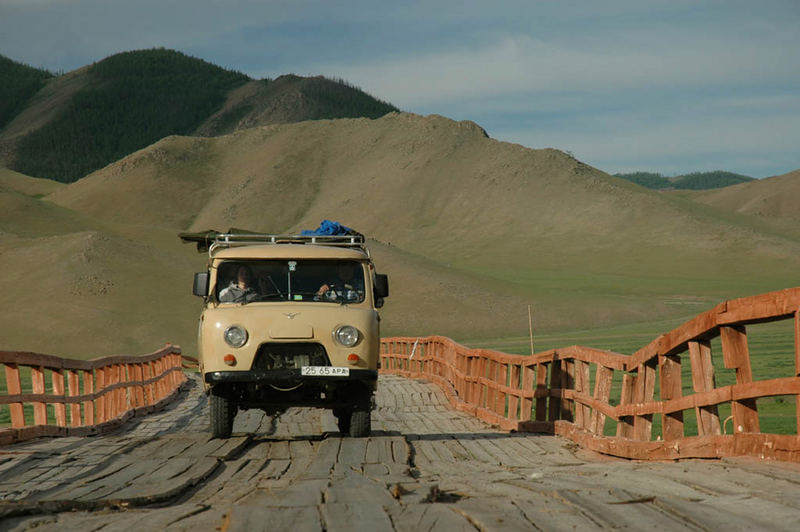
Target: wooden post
(39,408)
(625,425)
(483,390)
(14,387)
(130,398)
(100,379)
(73,389)
(139,392)
(176,375)
(88,406)
(541,385)
(475,385)
(112,378)
(554,408)
(528,380)
(491,379)
(147,368)
(502,380)
(736,355)
(703,381)
(643,393)
(513,399)
(157,384)
(58,389)
(602,391)
(670,375)
(567,383)
(458,373)
(123,404)
(583,413)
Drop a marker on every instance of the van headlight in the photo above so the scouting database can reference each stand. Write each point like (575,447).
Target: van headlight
(235,336)
(347,335)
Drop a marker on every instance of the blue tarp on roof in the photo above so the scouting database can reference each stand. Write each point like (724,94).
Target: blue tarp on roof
(328,227)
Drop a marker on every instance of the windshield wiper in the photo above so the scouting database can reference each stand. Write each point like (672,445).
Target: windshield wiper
(275,286)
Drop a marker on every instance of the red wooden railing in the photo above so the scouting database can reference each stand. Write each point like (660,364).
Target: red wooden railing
(551,391)
(86,396)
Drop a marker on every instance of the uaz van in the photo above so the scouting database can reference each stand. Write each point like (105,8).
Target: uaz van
(289,320)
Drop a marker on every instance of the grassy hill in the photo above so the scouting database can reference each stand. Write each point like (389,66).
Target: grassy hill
(82,121)
(470,230)
(691,181)
(776,198)
(83,288)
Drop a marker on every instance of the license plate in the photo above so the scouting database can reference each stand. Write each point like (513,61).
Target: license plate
(324,371)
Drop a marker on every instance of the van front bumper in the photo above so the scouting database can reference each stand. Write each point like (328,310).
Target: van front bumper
(284,375)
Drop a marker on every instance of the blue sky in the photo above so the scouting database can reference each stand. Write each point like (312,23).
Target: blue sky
(665,86)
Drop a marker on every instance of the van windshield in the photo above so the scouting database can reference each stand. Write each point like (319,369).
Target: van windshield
(332,281)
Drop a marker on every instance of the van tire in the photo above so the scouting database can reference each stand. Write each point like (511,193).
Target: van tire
(221,411)
(343,421)
(360,423)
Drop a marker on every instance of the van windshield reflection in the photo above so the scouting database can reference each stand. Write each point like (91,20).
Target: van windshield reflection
(329,281)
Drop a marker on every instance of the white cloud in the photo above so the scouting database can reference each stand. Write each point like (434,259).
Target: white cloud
(520,63)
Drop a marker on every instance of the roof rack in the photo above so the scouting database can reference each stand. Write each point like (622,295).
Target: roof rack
(212,240)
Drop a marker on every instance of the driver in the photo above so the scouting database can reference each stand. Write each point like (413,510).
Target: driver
(240,290)
(348,287)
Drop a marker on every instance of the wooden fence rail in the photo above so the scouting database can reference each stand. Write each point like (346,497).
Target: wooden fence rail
(568,391)
(86,396)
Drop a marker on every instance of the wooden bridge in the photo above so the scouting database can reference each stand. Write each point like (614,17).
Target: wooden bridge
(449,447)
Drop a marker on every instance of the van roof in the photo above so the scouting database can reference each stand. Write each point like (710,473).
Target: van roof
(289,251)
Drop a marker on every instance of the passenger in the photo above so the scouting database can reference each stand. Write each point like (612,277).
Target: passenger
(240,289)
(347,288)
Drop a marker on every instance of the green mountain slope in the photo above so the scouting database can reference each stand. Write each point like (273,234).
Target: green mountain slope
(20,83)
(691,181)
(79,122)
(132,100)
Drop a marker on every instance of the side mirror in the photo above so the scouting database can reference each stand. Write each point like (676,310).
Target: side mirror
(200,287)
(381,287)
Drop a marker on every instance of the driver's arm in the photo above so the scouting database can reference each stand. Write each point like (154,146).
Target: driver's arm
(323,289)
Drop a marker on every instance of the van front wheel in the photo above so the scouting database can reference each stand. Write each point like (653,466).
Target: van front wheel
(360,423)
(221,411)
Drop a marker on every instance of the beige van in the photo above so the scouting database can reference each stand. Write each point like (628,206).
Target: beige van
(287,321)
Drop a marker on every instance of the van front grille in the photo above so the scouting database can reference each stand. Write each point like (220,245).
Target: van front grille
(274,356)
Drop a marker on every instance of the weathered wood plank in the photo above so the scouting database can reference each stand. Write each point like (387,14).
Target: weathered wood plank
(737,356)
(582,412)
(254,518)
(643,393)
(416,517)
(703,380)
(670,376)
(602,393)
(625,424)
(14,387)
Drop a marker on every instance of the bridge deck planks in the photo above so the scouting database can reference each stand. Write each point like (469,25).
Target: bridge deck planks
(424,466)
